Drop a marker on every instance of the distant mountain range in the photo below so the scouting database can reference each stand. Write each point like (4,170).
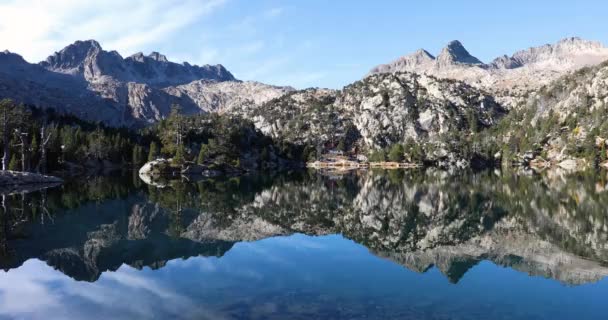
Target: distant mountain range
(87,60)
(524,70)
(100,85)
(94,84)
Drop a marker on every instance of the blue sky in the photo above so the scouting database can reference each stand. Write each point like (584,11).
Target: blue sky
(300,43)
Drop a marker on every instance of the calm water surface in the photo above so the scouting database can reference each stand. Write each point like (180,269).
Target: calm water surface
(366,245)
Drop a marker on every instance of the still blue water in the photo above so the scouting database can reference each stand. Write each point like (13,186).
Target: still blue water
(231,261)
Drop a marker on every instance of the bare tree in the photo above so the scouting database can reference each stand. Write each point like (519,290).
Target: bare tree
(24,144)
(46,132)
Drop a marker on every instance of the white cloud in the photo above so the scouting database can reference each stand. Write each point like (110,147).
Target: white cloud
(36,28)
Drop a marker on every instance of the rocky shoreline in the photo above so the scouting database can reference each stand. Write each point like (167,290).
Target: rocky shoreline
(347,165)
(17,178)
(24,182)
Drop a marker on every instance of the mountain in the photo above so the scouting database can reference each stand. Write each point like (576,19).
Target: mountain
(524,70)
(455,53)
(88,60)
(98,85)
(35,85)
(378,112)
(562,123)
(439,104)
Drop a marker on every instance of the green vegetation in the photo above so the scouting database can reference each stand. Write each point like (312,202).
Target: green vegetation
(377,156)
(397,153)
(153,151)
(43,140)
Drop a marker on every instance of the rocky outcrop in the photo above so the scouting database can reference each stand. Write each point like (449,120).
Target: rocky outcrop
(228,96)
(377,112)
(564,122)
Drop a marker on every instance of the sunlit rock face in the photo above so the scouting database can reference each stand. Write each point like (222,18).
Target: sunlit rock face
(377,112)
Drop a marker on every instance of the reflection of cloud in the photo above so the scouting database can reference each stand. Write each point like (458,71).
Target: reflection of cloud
(300,242)
(35,290)
(132,280)
(24,290)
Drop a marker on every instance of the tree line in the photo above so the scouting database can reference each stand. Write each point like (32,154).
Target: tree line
(43,140)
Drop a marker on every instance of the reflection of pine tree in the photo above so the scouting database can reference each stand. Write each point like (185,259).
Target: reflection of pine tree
(179,199)
(4,229)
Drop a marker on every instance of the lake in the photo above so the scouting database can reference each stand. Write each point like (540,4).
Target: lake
(310,245)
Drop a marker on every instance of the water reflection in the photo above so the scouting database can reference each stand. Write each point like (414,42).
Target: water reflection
(551,226)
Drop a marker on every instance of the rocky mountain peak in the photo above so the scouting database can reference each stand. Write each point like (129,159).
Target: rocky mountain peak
(86,59)
(524,70)
(137,57)
(423,54)
(7,54)
(81,48)
(455,52)
(579,43)
(73,56)
(568,53)
(10,61)
(158,57)
(408,62)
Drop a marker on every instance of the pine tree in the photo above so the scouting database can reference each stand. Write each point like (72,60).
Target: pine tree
(202,154)
(178,158)
(13,164)
(137,155)
(11,116)
(153,153)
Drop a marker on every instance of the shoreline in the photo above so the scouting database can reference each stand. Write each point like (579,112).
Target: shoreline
(347,164)
(19,178)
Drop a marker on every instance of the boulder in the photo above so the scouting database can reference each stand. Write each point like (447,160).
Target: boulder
(157,166)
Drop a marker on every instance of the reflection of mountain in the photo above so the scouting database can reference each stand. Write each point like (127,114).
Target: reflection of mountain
(417,220)
(453,223)
(504,247)
(86,241)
